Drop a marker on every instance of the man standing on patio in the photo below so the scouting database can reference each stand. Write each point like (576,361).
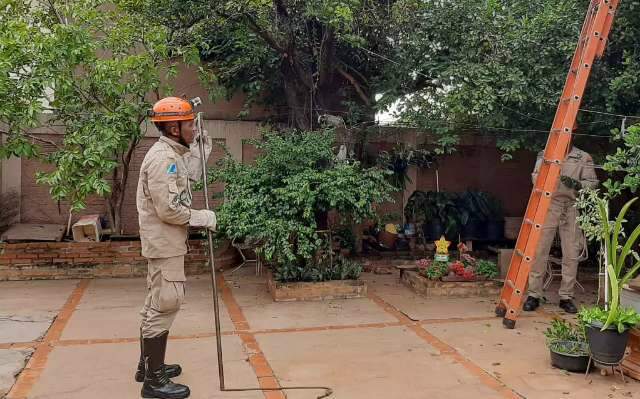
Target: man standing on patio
(165,214)
(577,171)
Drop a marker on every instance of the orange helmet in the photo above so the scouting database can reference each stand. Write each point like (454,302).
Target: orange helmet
(171,109)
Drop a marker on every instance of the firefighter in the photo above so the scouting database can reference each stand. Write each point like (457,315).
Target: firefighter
(577,172)
(164,214)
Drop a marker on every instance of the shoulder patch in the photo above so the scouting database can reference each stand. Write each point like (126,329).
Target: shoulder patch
(172,169)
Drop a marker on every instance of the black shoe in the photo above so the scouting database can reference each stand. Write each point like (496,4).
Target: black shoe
(531,304)
(156,382)
(568,306)
(172,370)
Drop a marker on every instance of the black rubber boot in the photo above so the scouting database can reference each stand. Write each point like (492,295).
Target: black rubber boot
(156,382)
(172,370)
(568,306)
(531,304)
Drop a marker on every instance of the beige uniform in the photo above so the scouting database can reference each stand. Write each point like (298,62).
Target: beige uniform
(164,212)
(578,166)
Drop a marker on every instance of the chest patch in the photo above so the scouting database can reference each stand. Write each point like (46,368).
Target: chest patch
(172,169)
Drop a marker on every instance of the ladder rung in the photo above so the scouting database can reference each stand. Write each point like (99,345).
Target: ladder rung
(532,223)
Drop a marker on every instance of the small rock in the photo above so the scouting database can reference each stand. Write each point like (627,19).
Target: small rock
(496,364)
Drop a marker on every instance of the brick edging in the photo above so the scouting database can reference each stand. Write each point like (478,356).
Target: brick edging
(72,260)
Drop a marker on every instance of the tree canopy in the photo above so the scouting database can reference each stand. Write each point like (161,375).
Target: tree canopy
(499,67)
(303,58)
(85,69)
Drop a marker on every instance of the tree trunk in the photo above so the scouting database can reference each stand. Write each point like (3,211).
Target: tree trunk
(115,202)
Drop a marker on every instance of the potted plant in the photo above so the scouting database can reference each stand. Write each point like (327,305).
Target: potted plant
(607,329)
(567,346)
(398,161)
(475,213)
(441,215)
(495,220)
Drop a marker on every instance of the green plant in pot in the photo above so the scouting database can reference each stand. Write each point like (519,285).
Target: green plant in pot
(475,212)
(438,211)
(567,346)
(607,330)
(495,218)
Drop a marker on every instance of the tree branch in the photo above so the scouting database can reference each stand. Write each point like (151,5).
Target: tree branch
(355,84)
(327,52)
(35,138)
(266,36)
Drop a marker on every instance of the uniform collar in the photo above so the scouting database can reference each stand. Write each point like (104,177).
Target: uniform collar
(177,147)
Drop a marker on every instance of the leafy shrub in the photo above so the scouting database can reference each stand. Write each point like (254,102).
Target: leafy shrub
(622,318)
(341,269)
(486,268)
(437,270)
(561,330)
(295,178)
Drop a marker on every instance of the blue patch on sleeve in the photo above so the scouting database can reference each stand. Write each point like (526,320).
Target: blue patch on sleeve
(173,169)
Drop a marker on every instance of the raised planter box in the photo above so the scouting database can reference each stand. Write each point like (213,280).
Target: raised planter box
(338,289)
(458,289)
(72,260)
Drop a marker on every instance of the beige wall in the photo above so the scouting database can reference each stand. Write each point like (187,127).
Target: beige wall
(38,207)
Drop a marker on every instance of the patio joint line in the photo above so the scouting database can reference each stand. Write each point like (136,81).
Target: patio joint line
(446,349)
(261,367)
(19,345)
(36,364)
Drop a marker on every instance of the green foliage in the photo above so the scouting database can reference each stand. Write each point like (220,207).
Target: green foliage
(399,160)
(345,238)
(341,269)
(303,58)
(501,66)
(624,161)
(437,270)
(587,204)
(621,318)
(453,210)
(616,257)
(84,68)
(294,178)
(561,330)
(486,268)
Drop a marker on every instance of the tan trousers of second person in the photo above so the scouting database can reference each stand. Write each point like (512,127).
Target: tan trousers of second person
(562,216)
(165,294)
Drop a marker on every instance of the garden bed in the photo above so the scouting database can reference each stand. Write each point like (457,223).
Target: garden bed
(304,291)
(457,289)
(72,260)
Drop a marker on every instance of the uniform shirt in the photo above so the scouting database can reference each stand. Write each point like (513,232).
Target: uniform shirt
(164,198)
(578,165)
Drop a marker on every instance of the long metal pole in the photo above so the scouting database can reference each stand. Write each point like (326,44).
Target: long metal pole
(216,305)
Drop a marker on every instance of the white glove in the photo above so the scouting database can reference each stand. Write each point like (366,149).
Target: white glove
(203,218)
(193,161)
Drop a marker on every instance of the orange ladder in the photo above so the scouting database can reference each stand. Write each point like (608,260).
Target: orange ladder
(591,45)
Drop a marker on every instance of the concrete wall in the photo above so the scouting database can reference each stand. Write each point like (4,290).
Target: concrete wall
(475,166)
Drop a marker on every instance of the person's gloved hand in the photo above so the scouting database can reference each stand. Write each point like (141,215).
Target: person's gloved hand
(193,159)
(203,218)
(571,183)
